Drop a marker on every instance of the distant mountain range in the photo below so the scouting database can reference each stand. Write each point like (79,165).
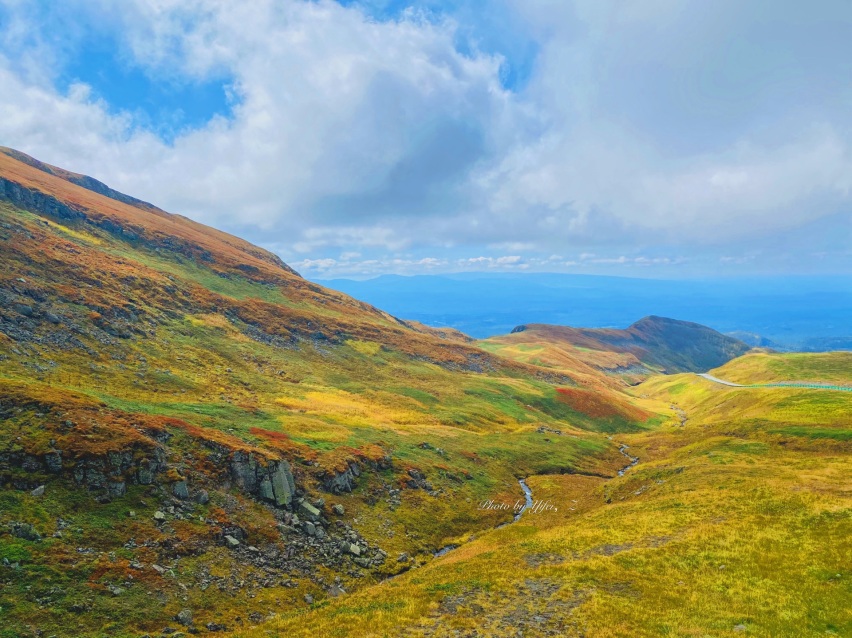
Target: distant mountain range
(785,313)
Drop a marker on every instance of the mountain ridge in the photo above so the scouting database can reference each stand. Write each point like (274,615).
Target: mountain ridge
(650,345)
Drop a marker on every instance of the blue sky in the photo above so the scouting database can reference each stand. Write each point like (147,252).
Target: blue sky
(669,138)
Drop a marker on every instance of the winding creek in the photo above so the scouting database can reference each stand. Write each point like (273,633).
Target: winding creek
(528,499)
(633,459)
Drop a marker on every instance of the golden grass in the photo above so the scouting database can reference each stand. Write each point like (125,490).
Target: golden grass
(725,528)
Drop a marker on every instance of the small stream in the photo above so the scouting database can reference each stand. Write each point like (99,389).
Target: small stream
(528,502)
(633,459)
(528,497)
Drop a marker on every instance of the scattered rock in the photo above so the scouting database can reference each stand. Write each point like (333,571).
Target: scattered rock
(159,516)
(25,531)
(402,558)
(181,490)
(212,626)
(39,491)
(309,599)
(231,541)
(309,511)
(338,509)
(184,617)
(202,498)
(354,549)
(739,627)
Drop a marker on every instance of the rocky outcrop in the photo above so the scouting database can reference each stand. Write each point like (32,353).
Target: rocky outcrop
(37,202)
(110,472)
(343,480)
(116,469)
(270,480)
(417,480)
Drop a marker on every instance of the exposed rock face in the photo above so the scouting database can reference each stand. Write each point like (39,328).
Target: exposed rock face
(113,471)
(339,482)
(272,481)
(36,201)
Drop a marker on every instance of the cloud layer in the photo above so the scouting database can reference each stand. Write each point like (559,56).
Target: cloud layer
(655,135)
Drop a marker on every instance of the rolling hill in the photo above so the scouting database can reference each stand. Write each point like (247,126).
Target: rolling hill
(736,520)
(652,345)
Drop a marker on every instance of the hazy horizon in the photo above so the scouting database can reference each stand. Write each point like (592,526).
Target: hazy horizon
(793,313)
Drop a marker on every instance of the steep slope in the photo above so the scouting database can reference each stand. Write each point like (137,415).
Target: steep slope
(180,412)
(651,345)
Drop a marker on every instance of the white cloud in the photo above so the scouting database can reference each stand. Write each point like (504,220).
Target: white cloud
(363,139)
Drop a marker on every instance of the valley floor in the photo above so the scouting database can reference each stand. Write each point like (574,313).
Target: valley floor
(737,524)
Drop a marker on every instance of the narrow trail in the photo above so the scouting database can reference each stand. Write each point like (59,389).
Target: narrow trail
(780,384)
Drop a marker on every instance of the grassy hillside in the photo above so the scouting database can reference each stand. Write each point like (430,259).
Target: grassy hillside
(649,346)
(826,367)
(738,522)
(187,424)
(193,437)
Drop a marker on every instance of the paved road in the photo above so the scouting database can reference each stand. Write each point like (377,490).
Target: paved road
(791,384)
(710,377)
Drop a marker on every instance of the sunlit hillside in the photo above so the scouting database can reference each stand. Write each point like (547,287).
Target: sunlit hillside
(194,438)
(188,422)
(649,346)
(734,522)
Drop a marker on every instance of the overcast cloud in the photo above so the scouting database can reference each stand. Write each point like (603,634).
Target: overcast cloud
(657,137)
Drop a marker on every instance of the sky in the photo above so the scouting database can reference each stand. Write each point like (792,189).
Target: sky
(650,138)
